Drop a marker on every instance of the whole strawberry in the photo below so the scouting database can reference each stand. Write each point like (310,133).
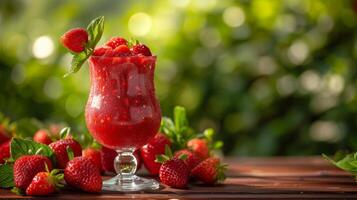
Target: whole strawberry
(192,160)
(199,146)
(60,150)
(83,174)
(155,146)
(42,136)
(141,49)
(209,171)
(174,173)
(26,167)
(75,39)
(94,156)
(114,42)
(44,183)
(4,151)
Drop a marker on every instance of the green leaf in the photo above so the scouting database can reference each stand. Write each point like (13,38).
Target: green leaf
(182,157)
(70,153)
(78,60)
(20,147)
(217,145)
(347,163)
(180,118)
(221,172)
(167,127)
(6,176)
(208,133)
(161,158)
(18,191)
(65,132)
(95,30)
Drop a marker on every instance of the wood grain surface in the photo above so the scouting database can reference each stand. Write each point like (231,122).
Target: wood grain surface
(250,178)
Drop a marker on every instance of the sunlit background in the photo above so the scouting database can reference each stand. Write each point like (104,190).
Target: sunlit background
(272,77)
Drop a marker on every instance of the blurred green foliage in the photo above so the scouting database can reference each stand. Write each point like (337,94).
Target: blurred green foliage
(272,77)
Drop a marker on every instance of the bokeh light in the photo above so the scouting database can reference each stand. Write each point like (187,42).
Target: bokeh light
(233,16)
(43,47)
(140,24)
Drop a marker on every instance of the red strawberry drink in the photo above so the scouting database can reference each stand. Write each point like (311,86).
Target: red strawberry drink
(122,112)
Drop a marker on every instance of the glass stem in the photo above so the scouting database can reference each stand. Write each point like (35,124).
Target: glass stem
(125,164)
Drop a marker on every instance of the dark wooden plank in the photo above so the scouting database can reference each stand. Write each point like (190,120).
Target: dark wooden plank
(278,177)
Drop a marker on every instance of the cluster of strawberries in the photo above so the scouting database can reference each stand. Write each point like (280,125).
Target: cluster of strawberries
(76,39)
(41,175)
(193,157)
(195,161)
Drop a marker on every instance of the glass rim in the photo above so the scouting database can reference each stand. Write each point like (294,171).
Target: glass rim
(124,57)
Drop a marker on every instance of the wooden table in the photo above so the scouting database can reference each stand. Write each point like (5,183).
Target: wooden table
(277,177)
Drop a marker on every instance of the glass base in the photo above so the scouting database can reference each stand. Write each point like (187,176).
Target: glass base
(134,183)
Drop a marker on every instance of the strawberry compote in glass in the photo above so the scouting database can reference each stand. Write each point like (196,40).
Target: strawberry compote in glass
(122,113)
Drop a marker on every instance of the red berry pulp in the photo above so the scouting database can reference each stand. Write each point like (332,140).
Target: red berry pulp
(122,111)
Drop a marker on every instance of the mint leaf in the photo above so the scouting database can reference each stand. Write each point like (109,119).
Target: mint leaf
(167,127)
(78,60)
(95,31)
(177,130)
(180,118)
(20,147)
(6,176)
